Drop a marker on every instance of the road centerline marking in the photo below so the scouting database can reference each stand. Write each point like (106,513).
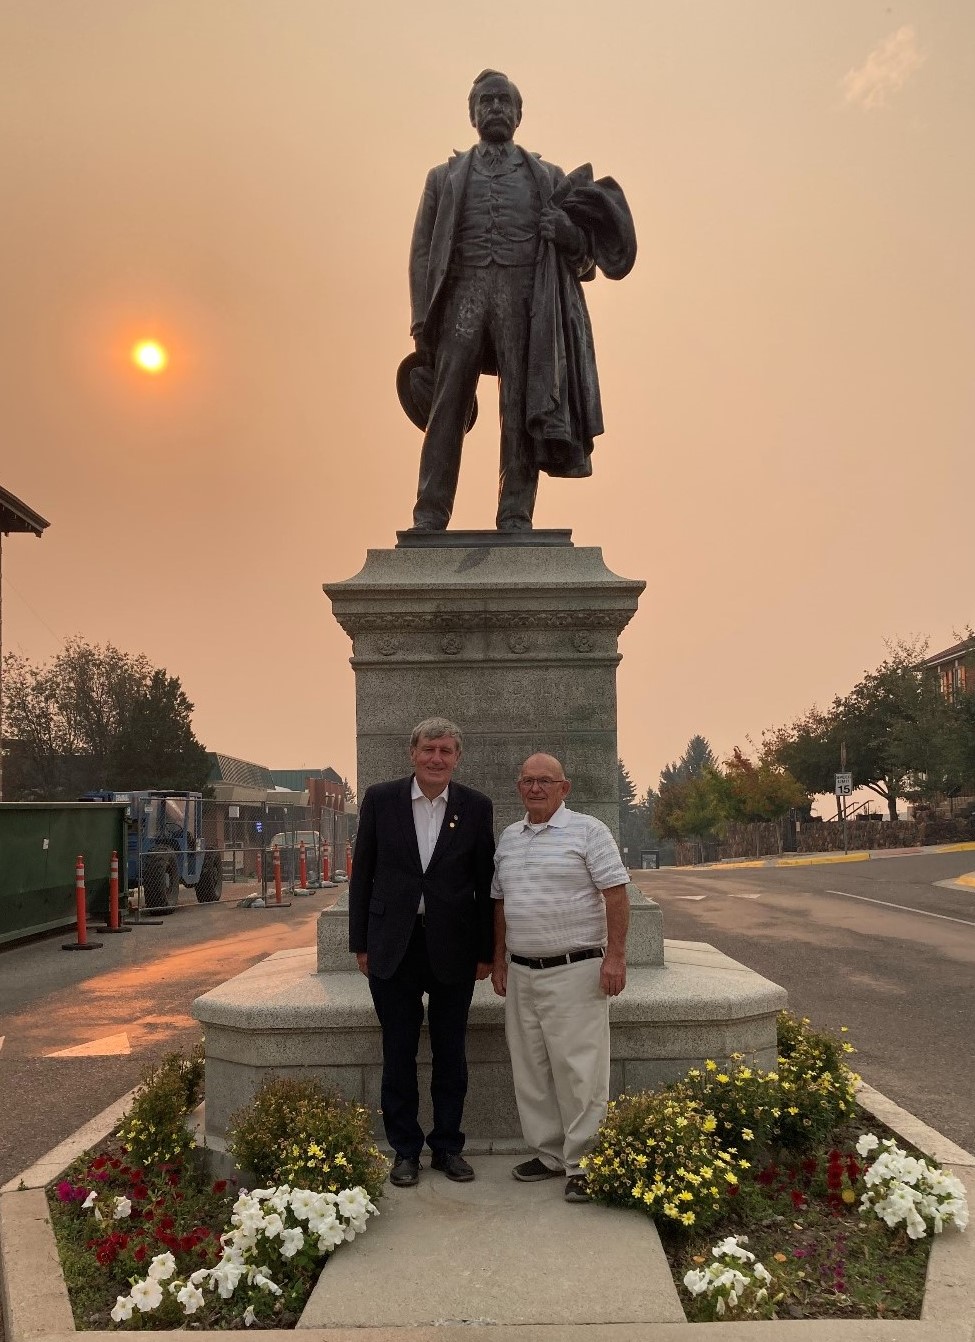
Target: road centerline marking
(904,908)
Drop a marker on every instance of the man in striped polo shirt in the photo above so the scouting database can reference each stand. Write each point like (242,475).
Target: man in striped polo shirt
(561,911)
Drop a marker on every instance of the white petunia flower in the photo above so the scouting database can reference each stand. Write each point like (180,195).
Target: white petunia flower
(291,1241)
(162,1267)
(123,1208)
(190,1297)
(124,1306)
(147,1295)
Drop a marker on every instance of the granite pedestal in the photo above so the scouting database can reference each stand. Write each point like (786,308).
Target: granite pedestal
(514,636)
(308,1013)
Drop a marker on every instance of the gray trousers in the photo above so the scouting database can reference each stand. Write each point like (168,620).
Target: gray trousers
(557,1026)
(485,307)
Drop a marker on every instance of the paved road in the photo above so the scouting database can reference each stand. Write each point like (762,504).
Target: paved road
(116,1009)
(878,946)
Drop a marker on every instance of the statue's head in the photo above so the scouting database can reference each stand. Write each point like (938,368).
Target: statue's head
(495,106)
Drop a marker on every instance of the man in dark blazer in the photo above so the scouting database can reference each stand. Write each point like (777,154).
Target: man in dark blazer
(421,922)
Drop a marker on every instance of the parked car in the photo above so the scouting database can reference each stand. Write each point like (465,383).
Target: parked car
(288,844)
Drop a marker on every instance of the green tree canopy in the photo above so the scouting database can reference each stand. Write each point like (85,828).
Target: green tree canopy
(754,793)
(98,718)
(689,807)
(902,738)
(696,760)
(635,813)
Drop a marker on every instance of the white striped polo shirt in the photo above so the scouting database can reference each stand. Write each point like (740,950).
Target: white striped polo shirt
(550,877)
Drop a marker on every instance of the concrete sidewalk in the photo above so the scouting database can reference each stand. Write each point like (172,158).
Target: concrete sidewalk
(495,1252)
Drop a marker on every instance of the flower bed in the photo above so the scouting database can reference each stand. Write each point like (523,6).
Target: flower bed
(772,1194)
(148,1239)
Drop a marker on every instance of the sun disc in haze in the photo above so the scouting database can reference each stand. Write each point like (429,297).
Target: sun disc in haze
(149,356)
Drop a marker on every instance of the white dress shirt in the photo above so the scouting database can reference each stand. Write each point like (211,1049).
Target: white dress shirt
(427,820)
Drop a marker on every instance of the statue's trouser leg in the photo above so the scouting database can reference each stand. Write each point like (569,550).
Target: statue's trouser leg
(456,370)
(509,319)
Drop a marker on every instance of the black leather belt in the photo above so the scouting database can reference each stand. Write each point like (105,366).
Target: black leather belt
(550,961)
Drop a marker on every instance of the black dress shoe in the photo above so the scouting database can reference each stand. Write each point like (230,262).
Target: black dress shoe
(405,1172)
(455,1167)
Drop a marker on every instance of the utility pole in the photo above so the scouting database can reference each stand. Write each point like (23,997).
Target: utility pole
(846,838)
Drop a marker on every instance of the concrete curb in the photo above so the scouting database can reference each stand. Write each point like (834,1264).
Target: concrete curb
(822,859)
(36,1305)
(964,882)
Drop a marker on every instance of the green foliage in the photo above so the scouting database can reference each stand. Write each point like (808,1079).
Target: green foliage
(295,1132)
(745,1102)
(154,1128)
(743,792)
(903,738)
(758,792)
(657,1151)
(97,718)
(680,1153)
(697,759)
(817,1086)
(174,1208)
(634,816)
(689,807)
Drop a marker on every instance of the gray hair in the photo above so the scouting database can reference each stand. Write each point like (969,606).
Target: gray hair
(431,729)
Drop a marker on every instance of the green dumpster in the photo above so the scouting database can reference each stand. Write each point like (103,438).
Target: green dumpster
(39,845)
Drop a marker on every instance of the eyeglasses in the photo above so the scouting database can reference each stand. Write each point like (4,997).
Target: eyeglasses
(541,782)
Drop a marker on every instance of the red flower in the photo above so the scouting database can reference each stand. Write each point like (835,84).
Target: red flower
(834,1177)
(99,1162)
(140,1253)
(166,1223)
(798,1199)
(809,1165)
(220,1186)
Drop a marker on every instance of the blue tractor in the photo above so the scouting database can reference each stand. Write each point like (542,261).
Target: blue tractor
(166,846)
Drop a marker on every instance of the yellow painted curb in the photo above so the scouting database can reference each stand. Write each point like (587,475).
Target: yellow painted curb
(967,879)
(821,859)
(955,848)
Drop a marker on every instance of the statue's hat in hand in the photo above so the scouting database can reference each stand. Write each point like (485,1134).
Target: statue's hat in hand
(414,387)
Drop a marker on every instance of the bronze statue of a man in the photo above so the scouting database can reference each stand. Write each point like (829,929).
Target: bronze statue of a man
(501,242)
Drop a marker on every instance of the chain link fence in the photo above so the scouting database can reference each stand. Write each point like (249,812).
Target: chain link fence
(213,849)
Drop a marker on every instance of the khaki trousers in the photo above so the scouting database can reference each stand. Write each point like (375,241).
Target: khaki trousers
(557,1026)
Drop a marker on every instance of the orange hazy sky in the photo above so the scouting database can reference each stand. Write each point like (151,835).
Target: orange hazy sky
(788,374)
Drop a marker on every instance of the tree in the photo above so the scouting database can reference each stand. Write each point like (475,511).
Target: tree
(96,718)
(759,793)
(696,760)
(809,749)
(634,815)
(895,725)
(689,808)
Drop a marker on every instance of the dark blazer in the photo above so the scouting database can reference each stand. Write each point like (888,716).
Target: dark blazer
(388,880)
